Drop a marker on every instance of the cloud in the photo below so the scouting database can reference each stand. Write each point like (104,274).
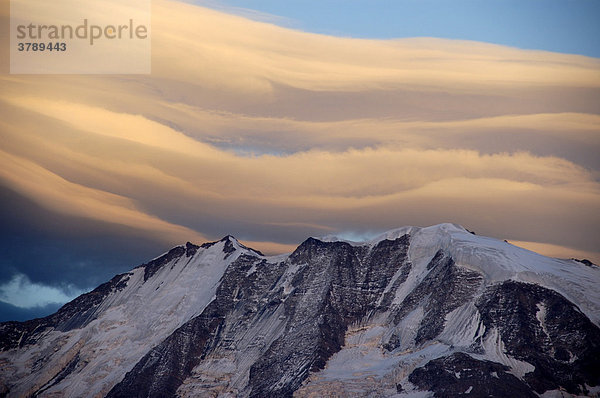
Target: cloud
(274,135)
(245,12)
(10,312)
(23,293)
(64,196)
(556,250)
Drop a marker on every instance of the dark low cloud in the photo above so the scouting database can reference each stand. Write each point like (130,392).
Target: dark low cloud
(62,252)
(10,312)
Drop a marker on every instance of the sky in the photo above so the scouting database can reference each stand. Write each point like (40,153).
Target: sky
(275,124)
(567,26)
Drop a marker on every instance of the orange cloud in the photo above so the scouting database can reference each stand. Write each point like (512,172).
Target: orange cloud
(263,128)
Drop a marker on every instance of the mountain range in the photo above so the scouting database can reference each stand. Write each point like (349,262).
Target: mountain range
(414,312)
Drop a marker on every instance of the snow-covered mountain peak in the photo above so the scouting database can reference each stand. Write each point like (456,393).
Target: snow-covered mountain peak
(439,231)
(117,322)
(385,316)
(230,244)
(496,260)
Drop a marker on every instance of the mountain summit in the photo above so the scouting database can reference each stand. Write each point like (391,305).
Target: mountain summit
(434,311)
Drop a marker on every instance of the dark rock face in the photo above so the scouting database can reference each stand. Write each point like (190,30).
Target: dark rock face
(539,326)
(586,262)
(459,374)
(160,372)
(191,249)
(153,266)
(445,288)
(337,284)
(229,247)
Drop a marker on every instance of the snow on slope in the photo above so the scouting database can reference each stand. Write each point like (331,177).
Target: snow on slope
(498,260)
(441,278)
(363,365)
(128,324)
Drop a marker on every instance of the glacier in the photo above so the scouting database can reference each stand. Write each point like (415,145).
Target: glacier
(414,312)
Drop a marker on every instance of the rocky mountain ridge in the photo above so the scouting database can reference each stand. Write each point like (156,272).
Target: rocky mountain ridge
(431,311)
